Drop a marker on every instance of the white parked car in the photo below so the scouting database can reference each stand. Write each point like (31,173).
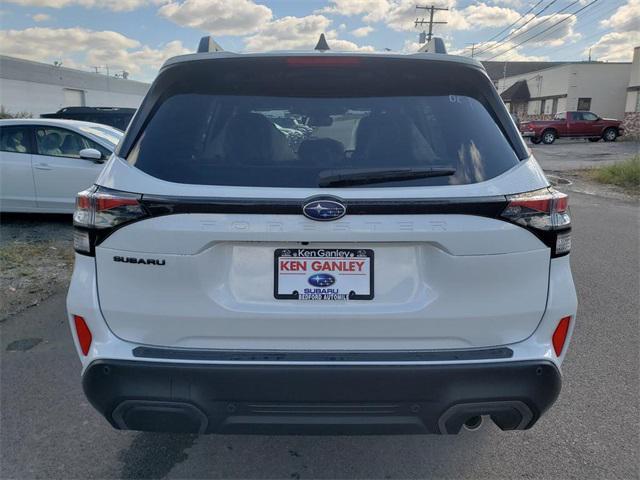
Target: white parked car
(44,163)
(413,279)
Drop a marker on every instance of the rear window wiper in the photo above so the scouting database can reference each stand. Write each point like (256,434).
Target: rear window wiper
(365,176)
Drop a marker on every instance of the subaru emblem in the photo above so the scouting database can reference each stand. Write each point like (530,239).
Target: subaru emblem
(324,210)
(321,280)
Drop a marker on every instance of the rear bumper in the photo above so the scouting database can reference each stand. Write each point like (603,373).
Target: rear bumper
(319,399)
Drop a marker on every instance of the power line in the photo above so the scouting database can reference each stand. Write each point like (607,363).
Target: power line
(511,25)
(510,36)
(596,10)
(558,25)
(419,22)
(545,30)
(542,22)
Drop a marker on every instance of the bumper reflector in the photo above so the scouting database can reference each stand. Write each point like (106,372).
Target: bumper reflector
(84,334)
(82,241)
(560,335)
(563,243)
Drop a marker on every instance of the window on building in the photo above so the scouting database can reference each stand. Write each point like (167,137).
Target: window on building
(584,104)
(562,104)
(533,107)
(638,101)
(15,139)
(548,106)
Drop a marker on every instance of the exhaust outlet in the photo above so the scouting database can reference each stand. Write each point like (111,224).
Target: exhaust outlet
(473,423)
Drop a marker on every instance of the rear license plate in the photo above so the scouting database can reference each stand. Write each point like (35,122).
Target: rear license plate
(323,274)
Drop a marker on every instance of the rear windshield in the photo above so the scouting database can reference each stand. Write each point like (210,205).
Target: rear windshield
(283,125)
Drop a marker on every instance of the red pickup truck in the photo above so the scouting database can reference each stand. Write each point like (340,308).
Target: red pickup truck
(572,124)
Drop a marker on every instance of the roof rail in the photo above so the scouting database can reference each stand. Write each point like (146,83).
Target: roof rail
(435,45)
(322,44)
(208,44)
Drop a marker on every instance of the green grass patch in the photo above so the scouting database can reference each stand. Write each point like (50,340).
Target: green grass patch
(624,174)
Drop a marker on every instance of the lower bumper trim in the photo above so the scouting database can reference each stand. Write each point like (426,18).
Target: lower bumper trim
(319,399)
(193,354)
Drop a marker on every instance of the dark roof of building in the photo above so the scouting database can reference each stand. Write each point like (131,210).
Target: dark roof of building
(496,70)
(518,92)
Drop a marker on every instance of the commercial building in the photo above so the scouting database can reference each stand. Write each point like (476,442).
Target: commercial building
(37,88)
(499,70)
(632,105)
(589,86)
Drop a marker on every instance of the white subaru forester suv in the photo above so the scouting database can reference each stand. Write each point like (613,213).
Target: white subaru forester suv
(402,269)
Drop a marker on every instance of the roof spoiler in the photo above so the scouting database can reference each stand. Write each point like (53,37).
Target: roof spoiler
(208,44)
(435,45)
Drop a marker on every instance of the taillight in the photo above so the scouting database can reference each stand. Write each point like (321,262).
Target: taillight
(544,212)
(98,212)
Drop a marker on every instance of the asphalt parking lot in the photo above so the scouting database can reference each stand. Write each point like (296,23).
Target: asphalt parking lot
(50,431)
(572,154)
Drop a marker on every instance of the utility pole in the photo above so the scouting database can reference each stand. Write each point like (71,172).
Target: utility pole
(420,22)
(504,75)
(473,48)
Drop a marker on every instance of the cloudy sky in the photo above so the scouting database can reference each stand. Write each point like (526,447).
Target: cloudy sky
(138,35)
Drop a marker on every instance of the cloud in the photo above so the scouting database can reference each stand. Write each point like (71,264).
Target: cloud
(362,31)
(411,46)
(402,14)
(135,60)
(482,16)
(371,10)
(81,48)
(298,33)
(41,17)
(512,3)
(218,17)
(345,45)
(626,18)
(614,46)
(289,33)
(115,5)
(256,24)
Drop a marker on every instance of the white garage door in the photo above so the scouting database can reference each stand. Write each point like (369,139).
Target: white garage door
(73,98)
